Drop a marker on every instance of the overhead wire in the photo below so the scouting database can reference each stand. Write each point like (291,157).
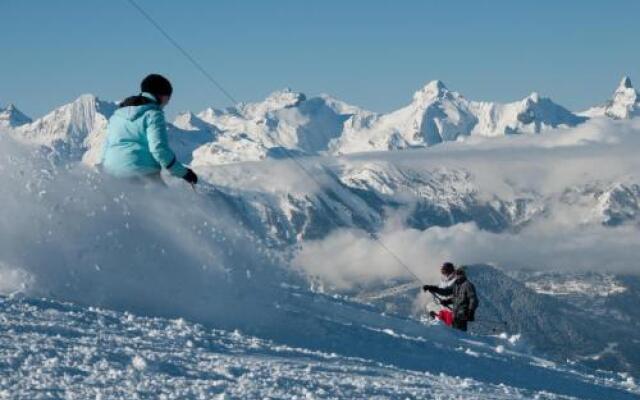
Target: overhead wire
(228,95)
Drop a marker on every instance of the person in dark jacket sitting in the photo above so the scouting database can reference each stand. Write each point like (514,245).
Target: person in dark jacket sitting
(463,302)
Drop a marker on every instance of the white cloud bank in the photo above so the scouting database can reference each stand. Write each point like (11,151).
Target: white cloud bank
(350,258)
(568,237)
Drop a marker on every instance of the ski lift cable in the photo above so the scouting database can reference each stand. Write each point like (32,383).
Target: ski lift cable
(288,153)
(191,58)
(181,49)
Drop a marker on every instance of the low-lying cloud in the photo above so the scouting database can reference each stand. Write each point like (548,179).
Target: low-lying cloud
(349,258)
(567,236)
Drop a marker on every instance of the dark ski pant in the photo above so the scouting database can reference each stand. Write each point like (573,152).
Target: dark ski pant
(460,324)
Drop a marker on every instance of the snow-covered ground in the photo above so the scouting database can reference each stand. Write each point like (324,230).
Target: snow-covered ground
(61,350)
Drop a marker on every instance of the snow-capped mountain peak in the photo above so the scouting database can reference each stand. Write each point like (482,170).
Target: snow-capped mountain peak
(625,83)
(624,104)
(72,129)
(11,117)
(188,121)
(74,120)
(278,100)
(438,114)
(534,97)
(284,98)
(209,114)
(537,113)
(431,91)
(286,119)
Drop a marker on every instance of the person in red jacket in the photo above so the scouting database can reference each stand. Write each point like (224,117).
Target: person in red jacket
(463,302)
(447,270)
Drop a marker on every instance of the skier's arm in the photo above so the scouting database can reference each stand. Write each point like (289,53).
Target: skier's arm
(447,291)
(446,302)
(159,144)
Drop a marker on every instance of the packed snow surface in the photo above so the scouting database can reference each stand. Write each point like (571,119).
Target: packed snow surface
(61,350)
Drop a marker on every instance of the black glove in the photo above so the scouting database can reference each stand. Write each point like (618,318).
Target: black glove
(446,302)
(190,177)
(429,288)
(471,315)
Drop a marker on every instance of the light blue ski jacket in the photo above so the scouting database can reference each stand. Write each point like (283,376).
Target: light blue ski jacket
(137,143)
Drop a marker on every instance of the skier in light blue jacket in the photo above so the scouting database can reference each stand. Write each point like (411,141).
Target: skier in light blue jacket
(137,146)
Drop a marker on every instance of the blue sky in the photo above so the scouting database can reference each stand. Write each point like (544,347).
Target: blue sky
(370,53)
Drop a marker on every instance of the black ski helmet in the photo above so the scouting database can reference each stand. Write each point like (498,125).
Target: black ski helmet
(447,268)
(157,85)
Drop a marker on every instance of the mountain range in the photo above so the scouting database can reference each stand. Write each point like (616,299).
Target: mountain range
(289,123)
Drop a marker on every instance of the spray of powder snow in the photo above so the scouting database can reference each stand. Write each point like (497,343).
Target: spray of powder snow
(71,234)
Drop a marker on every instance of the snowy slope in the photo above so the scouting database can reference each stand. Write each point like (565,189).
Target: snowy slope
(423,189)
(55,349)
(588,318)
(612,203)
